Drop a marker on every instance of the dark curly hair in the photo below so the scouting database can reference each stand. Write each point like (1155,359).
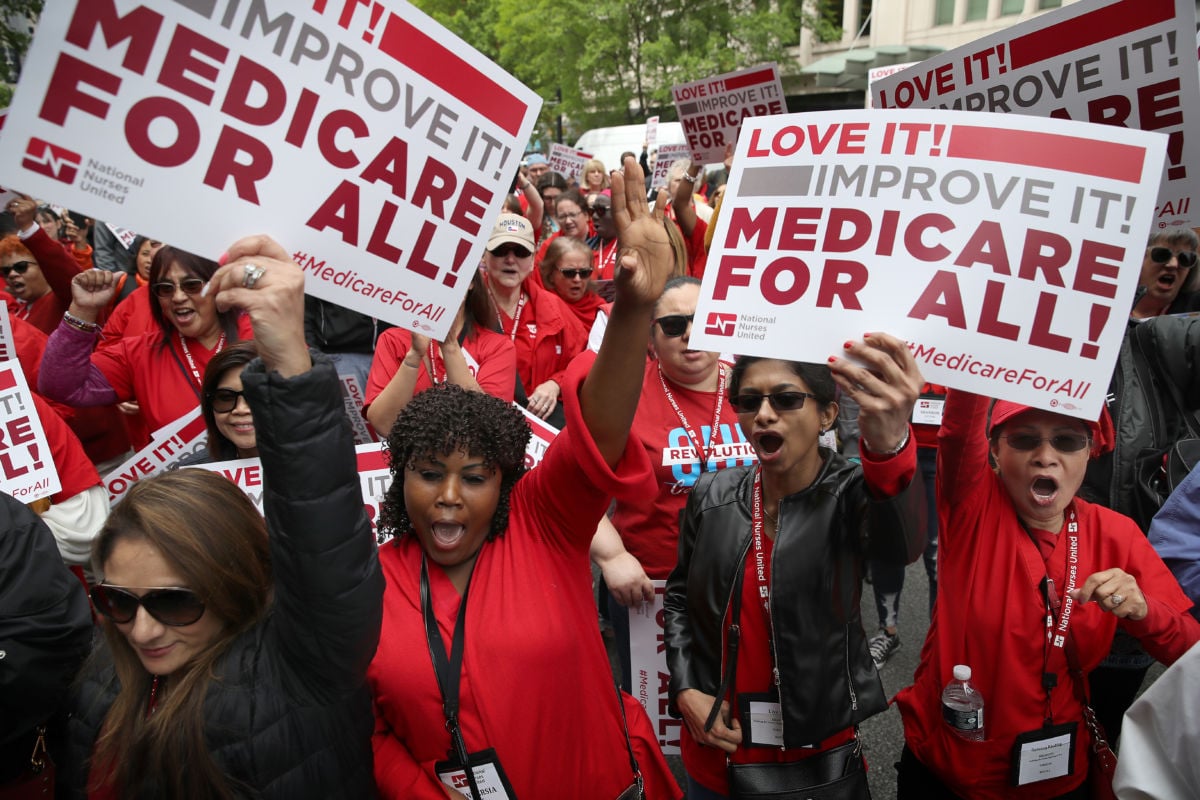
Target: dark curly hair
(446,419)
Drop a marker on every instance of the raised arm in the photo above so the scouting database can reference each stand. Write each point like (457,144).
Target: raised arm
(609,395)
(962,446)
(328,585)
(537,208)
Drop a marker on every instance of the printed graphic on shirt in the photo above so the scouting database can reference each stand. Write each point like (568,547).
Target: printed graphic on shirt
(729,448)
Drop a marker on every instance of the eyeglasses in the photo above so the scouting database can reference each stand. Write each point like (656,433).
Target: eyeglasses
(19,267)
(572,274)
(566,215)
(224,400)
(1062,442)
(599,212)
(503,250)
(189,285)
(673,325)
(780,401)
(174,607)
(1161,255)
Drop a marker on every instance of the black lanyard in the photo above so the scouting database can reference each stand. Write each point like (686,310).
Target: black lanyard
(448,670)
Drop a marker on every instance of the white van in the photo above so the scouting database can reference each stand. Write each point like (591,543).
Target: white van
(607,144)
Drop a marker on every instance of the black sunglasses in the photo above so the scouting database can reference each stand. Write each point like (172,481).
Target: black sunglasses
(572,274)
(780,401)
(1161,255)
(503,250)
(189,286)
(174,607)
(599,211)
(225,400)
(19,267)
(674,324)
(1062,442)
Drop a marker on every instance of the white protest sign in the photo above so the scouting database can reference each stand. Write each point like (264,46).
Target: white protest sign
(651,132)
(167,447)
(8,344)
(712,109)
(649,678)
(668,154)
(1128,63)
(1005,250)
(879,73)
(543,435)
(567,161)
(371,141)
(352,398)
(26,464)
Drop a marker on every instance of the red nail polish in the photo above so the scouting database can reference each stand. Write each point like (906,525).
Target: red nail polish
(832,359)
(224,257)
(847,344)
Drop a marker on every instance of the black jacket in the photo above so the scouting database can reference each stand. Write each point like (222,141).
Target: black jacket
(288,713)
(45,631)
(336,329)
(827,679)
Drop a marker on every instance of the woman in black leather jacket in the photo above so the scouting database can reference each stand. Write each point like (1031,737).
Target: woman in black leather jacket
(768,658)
(235,652)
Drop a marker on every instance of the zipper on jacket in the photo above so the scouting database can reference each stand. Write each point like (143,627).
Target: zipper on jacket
(771,623)
(850,675)
(733,629)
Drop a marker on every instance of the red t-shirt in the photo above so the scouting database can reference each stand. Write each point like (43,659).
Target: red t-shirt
(547,336)
(75,470)
(649,521)
(697,255)
(494,367)
(990,615)
(536,684)
(754,665)
(131,317)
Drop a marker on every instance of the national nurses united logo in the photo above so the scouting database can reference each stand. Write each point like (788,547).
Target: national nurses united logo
(719,324)
(51,160)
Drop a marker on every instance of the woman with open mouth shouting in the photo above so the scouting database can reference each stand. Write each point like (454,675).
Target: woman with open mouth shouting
(1033,583)
(765,643)
(163,369)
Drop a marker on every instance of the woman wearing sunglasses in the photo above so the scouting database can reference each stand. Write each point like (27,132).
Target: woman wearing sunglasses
(162,370)
(567,271)
(490,651)
(767,653)
(687,427)
(235,648)
(544,333)
(226,409)
(1033,582)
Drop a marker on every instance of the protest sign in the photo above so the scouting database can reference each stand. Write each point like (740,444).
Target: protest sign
(543,435)
(1005,250)
(567,161)
(1128,63)
(352,398)
(168,446)
(373,143)
(26,464)
(651,132)
(650,679)
(879,73)
(667,155)
(8,345)
(712,109)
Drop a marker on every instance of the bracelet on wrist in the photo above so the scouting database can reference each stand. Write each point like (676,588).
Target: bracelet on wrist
(690,178)
(892,452)
(80,324)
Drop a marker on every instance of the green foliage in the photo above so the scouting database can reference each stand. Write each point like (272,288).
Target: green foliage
(614,61)
(15,42)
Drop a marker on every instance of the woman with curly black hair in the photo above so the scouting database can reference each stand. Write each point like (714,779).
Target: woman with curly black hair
(515,681)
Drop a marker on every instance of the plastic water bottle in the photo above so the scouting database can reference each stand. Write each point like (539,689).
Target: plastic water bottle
(962,705)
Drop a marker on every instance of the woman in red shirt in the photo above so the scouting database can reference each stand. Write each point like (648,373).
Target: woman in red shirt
(1030,579)
(162,370)
(567,271)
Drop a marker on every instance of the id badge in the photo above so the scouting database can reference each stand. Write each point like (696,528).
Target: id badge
(1044,753)
(489,776)
(928,410)
(762,720)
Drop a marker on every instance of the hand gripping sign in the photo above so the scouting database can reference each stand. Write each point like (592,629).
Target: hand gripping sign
(1006,250)
(371,141)
(1128,63)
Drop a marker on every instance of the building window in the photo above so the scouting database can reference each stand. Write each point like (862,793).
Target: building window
(976,9)
(943,13)
(1044,4)
(1011,7)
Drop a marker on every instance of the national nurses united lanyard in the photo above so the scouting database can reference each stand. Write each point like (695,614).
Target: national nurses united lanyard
(702,448)
(199,381)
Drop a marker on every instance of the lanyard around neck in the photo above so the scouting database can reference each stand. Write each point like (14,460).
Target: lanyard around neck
(702,448)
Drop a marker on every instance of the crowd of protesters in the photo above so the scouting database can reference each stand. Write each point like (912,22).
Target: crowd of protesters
(228,656)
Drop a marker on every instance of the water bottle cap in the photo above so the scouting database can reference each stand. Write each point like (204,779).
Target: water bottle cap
(962,672)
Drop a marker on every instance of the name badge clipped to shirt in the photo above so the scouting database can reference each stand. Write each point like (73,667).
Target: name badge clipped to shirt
(489,776)
(762,720)
(928,411)
(1043,754)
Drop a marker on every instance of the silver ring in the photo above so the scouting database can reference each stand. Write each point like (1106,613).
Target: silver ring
(1116,600)
(251,274)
